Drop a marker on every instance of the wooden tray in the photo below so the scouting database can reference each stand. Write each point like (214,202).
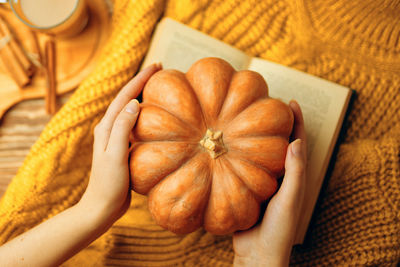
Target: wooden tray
(75,59)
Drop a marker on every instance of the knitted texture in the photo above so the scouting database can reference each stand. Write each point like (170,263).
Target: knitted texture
(353,43)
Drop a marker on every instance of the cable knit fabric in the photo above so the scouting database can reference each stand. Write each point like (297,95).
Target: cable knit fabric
(354,43)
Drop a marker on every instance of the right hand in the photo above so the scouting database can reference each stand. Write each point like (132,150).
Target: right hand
(270,243)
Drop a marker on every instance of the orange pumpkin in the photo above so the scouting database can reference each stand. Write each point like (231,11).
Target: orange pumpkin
(208,147)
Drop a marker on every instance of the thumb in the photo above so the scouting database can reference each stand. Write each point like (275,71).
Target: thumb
(118,143)
(284,209)
(293,182)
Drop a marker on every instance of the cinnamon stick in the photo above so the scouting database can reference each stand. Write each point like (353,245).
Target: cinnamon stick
(13,66)
(17,49)
(35,49)
(51,90)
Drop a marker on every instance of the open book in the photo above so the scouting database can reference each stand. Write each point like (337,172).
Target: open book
(323,103)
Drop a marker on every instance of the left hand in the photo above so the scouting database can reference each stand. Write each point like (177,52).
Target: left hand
(109,185)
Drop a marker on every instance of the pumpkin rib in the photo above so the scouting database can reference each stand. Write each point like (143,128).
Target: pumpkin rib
(201,107)
(226,94)
(273,159)
(224,98)
(250,95)
(188,158)
(226,125)
(251,120)
(236,219)
(152,124)
(184,122)
(167,141)
(184,163)
(229,139)
(153,192)
(193,155)
(205,204)
(229,195)
(237,223)
(203,119)
(229,163)
(224,66)
(235,154)
(212,195)
(171,90)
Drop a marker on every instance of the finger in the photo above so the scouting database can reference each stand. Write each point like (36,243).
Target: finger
(131,90)
(285,207)
(293,181)
(118,143)
(298,130)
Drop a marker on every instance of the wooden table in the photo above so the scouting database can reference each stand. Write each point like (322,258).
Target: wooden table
(19,129)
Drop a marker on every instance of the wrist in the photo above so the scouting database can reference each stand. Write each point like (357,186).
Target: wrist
(256,261)
(97,216)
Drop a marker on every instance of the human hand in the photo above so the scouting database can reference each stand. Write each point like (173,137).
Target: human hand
(270,242)
(108,191)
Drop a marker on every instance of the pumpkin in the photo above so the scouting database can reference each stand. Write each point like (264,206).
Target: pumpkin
(208,147)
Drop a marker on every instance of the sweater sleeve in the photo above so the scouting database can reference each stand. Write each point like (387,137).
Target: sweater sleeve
(357,219)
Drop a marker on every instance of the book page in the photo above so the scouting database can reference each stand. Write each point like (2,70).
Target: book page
(177,46)
(324,105)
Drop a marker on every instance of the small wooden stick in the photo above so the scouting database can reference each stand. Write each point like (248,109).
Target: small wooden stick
(51,90)
(17,49)
(13,66)
(36,49)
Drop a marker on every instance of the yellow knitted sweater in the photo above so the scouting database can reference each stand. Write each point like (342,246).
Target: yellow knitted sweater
(353,43)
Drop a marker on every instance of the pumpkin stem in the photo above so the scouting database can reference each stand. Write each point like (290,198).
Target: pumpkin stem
(212,142)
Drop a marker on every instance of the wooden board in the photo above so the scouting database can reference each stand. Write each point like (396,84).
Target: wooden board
(19,129)
(75,59)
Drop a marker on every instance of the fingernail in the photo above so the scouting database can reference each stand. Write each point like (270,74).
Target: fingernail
(293,103)
(132,107)
(296,147)
(158,65)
